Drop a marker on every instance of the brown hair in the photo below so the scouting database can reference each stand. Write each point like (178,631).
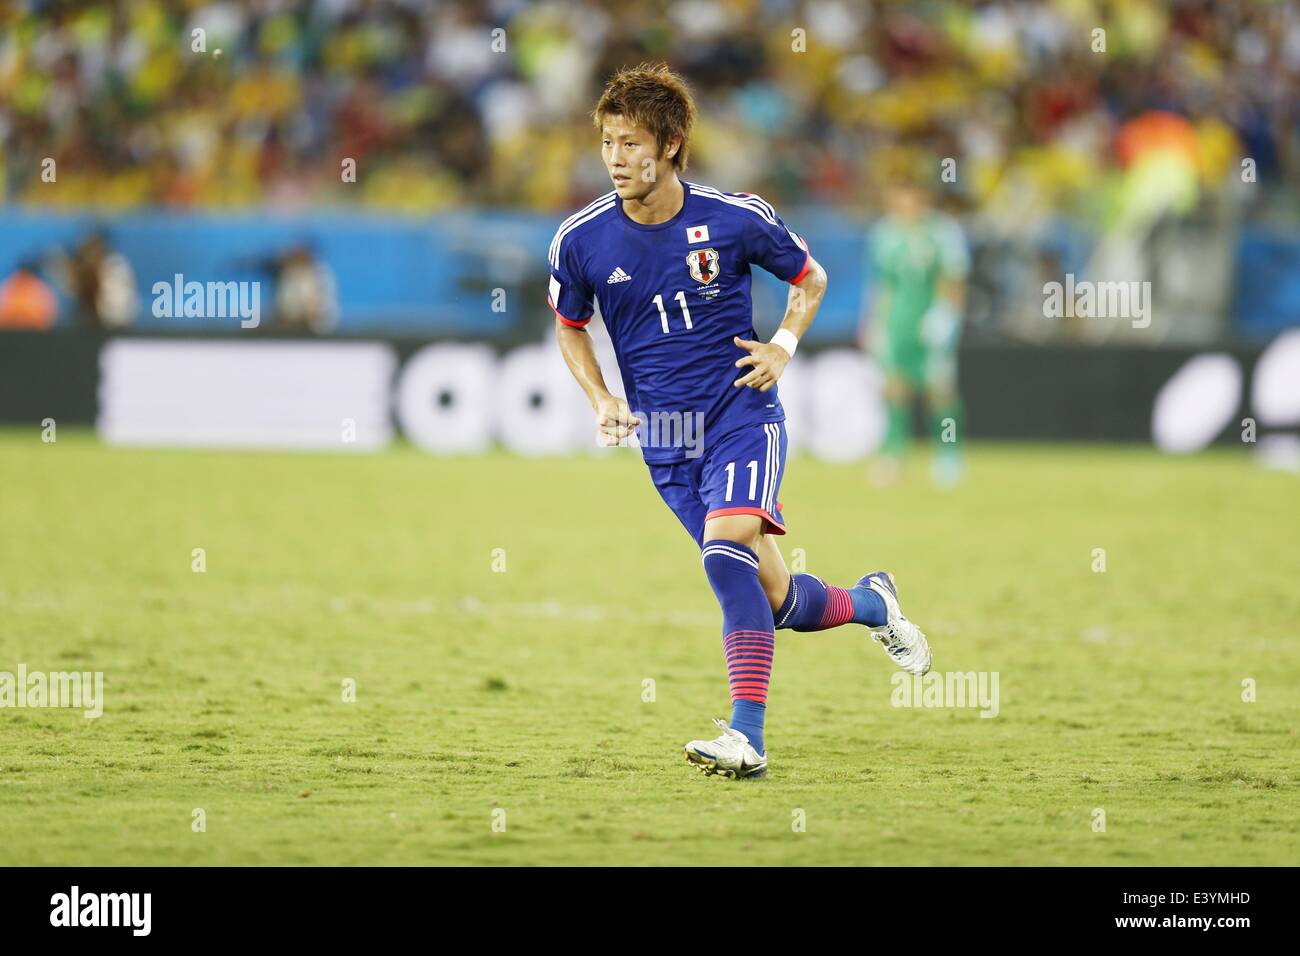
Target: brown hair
(655,98)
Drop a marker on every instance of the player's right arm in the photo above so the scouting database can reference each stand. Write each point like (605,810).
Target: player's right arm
(571,298)
(875,294)
(614,419)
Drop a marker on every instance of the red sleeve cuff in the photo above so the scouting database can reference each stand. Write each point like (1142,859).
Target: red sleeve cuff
(807,263)
(576,323)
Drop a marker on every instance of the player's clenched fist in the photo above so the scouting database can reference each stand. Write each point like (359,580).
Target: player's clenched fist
(768,361)
(614,420)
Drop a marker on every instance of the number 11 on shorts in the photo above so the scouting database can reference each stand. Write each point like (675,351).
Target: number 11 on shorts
(753,478)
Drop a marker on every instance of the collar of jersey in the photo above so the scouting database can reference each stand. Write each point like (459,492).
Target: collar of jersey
(652,227)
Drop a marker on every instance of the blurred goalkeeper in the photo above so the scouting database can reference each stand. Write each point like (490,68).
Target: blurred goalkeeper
(918,259)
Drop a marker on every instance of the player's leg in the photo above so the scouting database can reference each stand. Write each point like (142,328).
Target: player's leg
(731,754)
(731,564)
(730,556)
(773,574)
(678,485)
(943,405)
(898,411)
(901,359)
(801,602)
(811,604)
(739,479)
(804,602)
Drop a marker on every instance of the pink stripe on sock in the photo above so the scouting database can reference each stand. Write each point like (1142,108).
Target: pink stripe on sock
(749,663)
(839,607)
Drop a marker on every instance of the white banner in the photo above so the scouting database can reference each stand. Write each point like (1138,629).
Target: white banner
(321,396)
(448,398)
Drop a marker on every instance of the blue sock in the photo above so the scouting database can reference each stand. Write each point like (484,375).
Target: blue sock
(747,717)
(813,605)
(747,637)
(868,607)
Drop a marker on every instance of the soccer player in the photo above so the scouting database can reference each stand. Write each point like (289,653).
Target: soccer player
(919,262)
(669,263)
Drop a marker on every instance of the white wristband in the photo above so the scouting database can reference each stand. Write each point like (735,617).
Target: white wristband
(787,340)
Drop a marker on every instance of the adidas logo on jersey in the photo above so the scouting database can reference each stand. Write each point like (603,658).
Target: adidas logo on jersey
(618,275)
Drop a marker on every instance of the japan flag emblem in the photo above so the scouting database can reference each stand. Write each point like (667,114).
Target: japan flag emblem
(697,234)
(703,264)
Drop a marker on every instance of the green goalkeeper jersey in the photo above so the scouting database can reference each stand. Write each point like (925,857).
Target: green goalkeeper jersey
(909,260)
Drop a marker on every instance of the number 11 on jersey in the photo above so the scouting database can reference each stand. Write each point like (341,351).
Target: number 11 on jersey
(663,316)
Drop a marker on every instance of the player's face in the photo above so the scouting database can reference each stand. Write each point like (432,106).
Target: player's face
(632,157)
(906,202)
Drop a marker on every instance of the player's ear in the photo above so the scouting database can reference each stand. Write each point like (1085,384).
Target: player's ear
(672,147)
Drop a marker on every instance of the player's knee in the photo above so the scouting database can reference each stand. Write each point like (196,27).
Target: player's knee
(742,529)
(939,396)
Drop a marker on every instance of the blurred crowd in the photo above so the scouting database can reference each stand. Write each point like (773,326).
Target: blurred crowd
(100,289)
(1045,104)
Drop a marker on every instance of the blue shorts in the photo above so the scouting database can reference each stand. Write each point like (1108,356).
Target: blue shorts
(740,475)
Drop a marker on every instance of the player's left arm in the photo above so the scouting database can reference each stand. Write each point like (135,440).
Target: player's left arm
(941,324)
(767,360)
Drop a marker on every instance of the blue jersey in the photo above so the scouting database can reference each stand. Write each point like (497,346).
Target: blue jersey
(673,295)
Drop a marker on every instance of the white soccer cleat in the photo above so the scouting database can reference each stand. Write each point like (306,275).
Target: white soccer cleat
(902,640)
(728,756)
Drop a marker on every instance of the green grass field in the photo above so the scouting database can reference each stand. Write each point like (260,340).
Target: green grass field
(521,691)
